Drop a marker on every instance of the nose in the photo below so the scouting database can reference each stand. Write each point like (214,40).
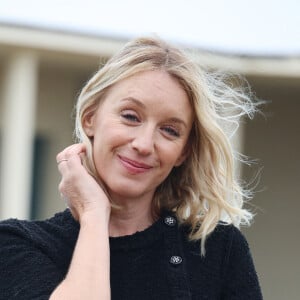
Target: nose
(143,141)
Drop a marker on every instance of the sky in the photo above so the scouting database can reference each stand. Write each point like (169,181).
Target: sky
(243,27)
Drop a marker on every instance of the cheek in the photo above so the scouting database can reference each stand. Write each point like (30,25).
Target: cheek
(107,141)
(170,155)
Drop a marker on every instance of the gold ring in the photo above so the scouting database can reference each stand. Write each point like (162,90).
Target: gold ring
(60,161)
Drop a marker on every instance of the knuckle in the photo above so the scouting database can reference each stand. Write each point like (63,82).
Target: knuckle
(58,156)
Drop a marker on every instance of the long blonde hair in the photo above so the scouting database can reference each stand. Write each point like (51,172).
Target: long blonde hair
(203,190)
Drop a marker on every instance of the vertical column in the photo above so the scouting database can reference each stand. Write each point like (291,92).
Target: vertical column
(19,95)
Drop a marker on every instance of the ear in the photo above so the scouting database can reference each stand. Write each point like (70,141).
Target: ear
(88,123)
(185,153)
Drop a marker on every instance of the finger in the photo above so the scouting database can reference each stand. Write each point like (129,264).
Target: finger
(69,156)
(62,160)
(66,153)
(77,159)
(69,151)
(69,165)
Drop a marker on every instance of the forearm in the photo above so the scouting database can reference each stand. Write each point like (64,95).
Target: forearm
(88,276)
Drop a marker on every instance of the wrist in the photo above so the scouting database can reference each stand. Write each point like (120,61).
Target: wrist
(95,218)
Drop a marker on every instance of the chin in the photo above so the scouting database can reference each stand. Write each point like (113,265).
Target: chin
(126,192)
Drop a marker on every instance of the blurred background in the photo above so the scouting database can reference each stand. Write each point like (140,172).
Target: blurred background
(49,49)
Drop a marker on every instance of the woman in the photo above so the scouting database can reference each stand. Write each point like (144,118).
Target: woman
(147,187)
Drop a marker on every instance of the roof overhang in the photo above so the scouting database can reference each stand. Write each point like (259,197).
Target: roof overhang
(95,47)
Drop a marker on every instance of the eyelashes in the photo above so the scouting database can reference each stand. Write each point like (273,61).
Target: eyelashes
(132,119)
(171,131)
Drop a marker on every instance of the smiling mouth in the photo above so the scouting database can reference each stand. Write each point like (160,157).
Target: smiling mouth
(134,167)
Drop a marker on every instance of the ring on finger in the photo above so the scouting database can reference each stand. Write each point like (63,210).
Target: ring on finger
(62,160)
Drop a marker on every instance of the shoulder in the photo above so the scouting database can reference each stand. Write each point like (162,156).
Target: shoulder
(224,246)
(60,224)
(54,233)
(240,279)
(228,235)
(227,262)
(35,255)
(221,239)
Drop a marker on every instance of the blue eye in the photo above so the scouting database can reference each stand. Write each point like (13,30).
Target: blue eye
(130,117)
(171,131)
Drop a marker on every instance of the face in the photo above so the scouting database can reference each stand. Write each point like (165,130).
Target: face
(140,132)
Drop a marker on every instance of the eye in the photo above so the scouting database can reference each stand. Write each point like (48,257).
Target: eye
(130,116)
(171,131)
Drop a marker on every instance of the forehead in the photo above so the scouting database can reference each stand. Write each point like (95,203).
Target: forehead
(151,86)
(157,91)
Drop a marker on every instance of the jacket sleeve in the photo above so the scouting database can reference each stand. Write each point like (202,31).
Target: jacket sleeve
(26,272)
(240,280)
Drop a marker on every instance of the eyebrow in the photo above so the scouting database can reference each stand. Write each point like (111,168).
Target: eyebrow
(179,121)
(137,102)
(142,105)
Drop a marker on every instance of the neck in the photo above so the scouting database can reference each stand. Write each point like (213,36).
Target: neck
(132,216)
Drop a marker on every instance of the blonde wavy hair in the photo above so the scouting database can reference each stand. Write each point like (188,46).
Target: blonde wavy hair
(203,190)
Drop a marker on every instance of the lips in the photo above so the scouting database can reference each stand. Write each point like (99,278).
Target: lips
(134,167)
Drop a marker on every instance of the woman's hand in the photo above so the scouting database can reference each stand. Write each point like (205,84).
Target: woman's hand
(84,196)
(88,275)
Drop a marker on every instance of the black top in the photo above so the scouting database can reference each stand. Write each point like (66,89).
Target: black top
(157,263)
